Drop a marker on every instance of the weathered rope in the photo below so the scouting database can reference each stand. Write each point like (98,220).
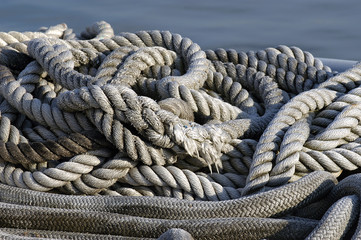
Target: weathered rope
(186,143)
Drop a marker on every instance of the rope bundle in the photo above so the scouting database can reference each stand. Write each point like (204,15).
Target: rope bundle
(151,115)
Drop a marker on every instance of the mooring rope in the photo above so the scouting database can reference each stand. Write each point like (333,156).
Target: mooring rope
(145,135)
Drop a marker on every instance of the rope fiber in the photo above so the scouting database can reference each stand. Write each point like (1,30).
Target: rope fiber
(146,136)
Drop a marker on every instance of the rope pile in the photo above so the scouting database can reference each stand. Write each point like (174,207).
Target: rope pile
(173,142)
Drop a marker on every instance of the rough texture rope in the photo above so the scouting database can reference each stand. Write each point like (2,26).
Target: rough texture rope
(173,142)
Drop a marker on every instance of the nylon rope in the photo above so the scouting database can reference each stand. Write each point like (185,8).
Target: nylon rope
(146,136)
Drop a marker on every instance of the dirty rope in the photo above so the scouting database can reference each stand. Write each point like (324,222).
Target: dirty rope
(145,135)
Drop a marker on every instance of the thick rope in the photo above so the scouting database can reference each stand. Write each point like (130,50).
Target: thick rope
(185,143)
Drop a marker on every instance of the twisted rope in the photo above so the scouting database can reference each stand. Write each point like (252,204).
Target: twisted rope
(185,143)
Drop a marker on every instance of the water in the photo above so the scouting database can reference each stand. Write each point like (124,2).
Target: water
(327,28)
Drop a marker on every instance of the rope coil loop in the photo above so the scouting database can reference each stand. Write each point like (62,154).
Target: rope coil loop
(173,141)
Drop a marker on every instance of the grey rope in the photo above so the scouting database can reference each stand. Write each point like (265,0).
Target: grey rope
(173,142)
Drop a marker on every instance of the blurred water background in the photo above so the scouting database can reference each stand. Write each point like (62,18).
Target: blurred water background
(326,28)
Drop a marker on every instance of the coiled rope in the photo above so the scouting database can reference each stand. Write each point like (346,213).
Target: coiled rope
(173,142)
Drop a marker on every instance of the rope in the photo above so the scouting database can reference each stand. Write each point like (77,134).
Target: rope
(173,142)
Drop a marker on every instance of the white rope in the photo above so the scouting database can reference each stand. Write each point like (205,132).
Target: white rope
(151,114)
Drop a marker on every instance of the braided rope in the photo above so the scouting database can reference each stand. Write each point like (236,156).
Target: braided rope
(186,143)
